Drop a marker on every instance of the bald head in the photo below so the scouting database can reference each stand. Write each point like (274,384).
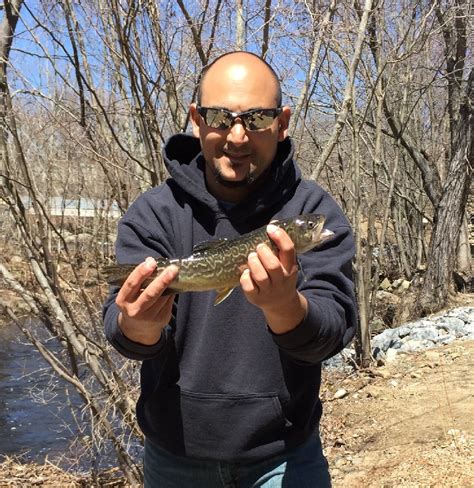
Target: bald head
(243,68)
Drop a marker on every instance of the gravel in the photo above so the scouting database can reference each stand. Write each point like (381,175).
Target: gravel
(426,333)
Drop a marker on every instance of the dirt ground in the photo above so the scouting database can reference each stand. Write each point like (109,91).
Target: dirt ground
(409,423)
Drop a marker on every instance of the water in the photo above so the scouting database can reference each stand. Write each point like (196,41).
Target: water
(35,418)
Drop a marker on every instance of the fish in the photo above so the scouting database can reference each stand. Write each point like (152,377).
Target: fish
(218,264)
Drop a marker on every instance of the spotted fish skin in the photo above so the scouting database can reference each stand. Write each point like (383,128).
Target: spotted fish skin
(217,265)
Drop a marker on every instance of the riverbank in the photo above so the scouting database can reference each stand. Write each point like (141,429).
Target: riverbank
(405,422)
(16,474)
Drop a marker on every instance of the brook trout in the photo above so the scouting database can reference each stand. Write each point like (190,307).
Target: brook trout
(218,264)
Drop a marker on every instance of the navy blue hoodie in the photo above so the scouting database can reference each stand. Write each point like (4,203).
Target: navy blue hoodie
(219,384)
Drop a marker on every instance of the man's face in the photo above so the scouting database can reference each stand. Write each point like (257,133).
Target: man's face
(236,157)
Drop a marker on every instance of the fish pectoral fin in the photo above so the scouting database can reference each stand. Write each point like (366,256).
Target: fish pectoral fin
(206,245)
(169,291)
(300,267)
(222,294)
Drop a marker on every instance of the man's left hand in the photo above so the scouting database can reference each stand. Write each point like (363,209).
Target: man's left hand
(270,283)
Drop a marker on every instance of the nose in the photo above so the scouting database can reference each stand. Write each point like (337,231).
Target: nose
(237,133)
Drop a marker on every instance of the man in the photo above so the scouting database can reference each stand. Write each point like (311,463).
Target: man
(229,393)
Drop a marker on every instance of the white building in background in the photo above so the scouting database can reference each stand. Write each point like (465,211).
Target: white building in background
(78,208)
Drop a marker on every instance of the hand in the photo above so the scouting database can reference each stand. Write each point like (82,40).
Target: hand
(270,283)
(145,312)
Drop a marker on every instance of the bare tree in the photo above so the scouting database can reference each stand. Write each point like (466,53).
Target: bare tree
(382,118)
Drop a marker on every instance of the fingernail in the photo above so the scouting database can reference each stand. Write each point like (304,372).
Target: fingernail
(150,263)
(272,229)
(253,255)
(172,271)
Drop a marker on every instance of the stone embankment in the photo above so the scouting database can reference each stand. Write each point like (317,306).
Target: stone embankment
(419,335)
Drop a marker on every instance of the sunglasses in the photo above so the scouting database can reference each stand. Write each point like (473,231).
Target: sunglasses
(257,119)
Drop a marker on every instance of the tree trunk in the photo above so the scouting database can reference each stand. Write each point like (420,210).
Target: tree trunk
(450,211)
(464,252)
(240,28)
(7,29)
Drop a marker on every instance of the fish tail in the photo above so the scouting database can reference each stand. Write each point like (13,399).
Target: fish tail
(116,274)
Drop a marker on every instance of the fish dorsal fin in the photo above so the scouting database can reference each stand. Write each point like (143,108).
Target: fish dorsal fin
(222,294)
(207,245)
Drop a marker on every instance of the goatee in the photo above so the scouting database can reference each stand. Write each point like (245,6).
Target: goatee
(246,181)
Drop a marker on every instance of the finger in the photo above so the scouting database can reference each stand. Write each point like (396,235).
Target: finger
(133,284)
(247,284)
(271,263)
(286,247)
(258,273)
(164,309)
(155,289)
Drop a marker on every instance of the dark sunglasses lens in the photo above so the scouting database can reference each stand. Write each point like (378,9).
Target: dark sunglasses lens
(259,120)
(218,119)
(222,119)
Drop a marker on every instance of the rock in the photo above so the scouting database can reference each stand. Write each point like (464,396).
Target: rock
(385,285)
(342,361)
(452,324)
(405,284)
(384,341)
(341,393)
(419,335)
(446,339)
(404,330)
(391,355)
(466,314)
(470,330)
(416,345)
(426,333)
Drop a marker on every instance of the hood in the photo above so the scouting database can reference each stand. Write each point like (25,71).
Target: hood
(185,163)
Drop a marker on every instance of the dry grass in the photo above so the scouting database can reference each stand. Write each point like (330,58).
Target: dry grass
(16,474)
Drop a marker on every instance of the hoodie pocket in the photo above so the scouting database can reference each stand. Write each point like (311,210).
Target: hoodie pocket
(231,427)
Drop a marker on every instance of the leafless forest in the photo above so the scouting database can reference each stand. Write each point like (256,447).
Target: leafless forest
(381,93)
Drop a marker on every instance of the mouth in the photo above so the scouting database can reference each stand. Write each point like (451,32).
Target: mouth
(237,158)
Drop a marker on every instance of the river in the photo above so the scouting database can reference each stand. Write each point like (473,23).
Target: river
(35,420)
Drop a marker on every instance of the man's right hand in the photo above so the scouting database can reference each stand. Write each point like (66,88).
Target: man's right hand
(144,313)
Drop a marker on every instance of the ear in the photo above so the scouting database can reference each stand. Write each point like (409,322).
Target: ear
(195,119)
(283,123)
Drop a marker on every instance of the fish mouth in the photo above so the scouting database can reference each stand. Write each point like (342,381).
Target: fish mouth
(323,235)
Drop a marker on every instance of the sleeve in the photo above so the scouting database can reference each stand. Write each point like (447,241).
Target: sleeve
(135,242)
(327,283)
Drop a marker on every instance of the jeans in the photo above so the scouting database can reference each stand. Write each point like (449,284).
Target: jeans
(303,467)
